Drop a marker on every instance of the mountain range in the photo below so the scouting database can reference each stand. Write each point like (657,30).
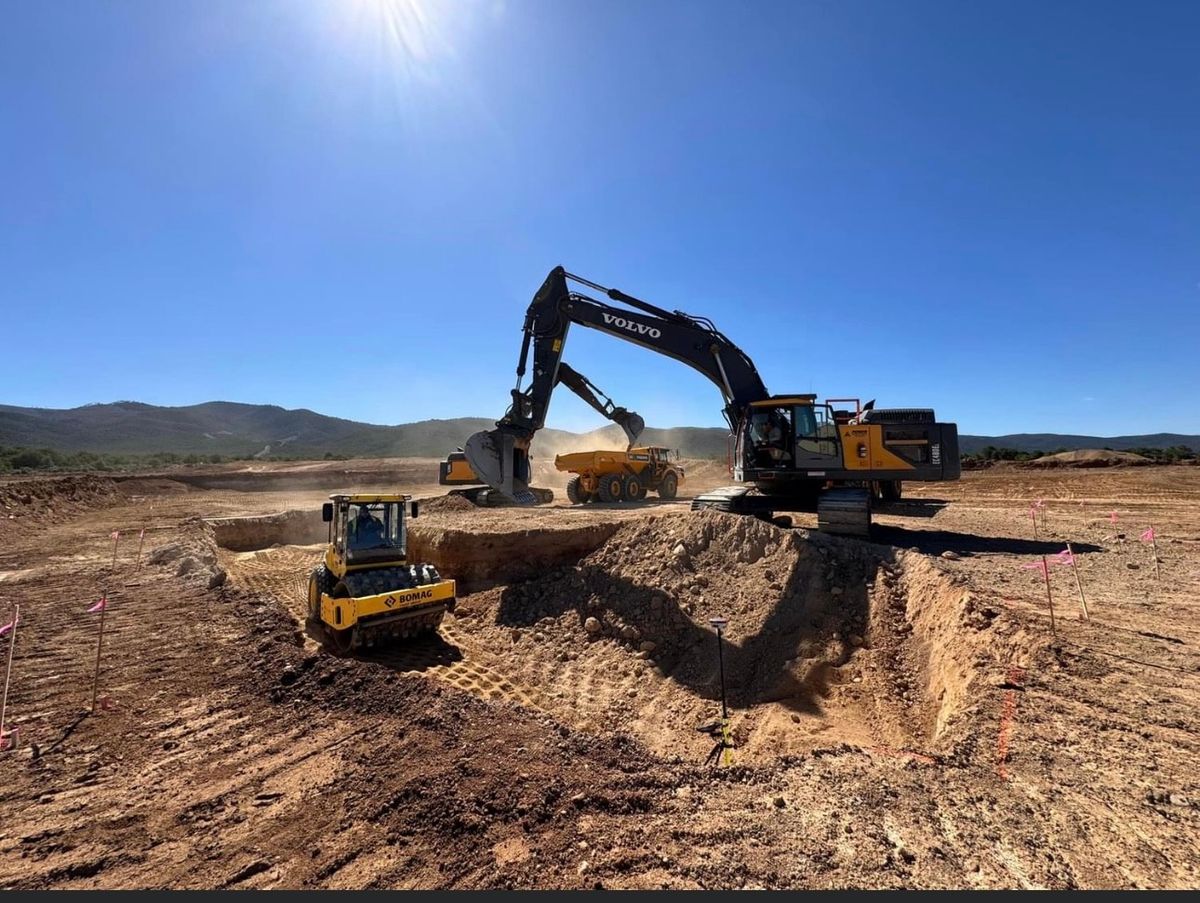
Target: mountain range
(234,429)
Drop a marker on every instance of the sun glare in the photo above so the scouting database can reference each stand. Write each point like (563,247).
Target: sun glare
(409,35)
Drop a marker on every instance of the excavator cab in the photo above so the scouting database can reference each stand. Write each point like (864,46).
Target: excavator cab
(791,433)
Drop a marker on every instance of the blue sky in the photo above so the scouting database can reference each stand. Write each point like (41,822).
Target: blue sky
(992,208)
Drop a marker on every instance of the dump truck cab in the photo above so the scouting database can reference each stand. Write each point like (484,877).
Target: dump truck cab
(366,591)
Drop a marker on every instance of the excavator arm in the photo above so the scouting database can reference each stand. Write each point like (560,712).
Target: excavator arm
(627,420)
(500,456)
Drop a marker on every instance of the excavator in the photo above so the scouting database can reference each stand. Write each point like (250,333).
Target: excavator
(790,452)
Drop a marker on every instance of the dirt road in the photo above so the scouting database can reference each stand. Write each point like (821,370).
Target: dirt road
(903,714)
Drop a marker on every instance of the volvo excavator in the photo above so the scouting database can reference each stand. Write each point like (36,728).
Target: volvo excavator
(791,452)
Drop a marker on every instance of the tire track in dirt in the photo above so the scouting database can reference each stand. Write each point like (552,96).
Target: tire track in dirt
(282,574)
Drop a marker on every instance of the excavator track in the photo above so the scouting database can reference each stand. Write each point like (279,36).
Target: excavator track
(843,510)
(486,497)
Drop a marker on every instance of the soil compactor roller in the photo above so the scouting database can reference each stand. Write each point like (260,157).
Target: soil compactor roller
(366,592)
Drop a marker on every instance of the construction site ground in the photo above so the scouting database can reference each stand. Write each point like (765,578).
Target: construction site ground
(903,713)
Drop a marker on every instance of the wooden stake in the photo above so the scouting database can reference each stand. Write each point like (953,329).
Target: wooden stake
(1154,547)
(141,541)
(1033,517)
(1049,597)
(116,538)
(1078,583)
(12,644)
(99,647)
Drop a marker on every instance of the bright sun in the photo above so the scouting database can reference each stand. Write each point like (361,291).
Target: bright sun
(410,33)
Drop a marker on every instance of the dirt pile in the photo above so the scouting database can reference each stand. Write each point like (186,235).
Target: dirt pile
(194,556)
(1090,457)
(39,500)
(827,639)
(442,504)
(479,558)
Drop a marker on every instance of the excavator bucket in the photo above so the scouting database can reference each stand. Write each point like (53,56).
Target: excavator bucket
(631,423)
(497,461)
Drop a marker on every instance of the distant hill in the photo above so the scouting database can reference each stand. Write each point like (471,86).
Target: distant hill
(1050,442)
(232,429)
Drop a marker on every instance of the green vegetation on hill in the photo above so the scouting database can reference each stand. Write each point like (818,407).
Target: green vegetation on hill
(1171,455)
(21,460)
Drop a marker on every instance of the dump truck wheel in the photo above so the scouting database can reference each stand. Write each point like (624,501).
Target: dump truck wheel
(890,491)
(576,494)
(632,490)
(611,488)
(669,485)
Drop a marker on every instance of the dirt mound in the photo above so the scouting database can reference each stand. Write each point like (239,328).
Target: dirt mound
(37,500)
(479,558)
(1090,457)
(446,503)
(194,557)
(827,640)
(142,486)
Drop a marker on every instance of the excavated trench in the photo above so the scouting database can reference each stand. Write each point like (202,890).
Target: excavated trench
(605,626)
(476,559)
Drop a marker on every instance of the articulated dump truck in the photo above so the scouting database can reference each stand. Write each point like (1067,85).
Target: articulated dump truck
(621,476)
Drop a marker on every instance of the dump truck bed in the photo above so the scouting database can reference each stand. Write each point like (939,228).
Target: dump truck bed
(600,461)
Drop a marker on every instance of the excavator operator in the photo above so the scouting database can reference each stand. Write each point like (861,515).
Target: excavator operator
(768,433)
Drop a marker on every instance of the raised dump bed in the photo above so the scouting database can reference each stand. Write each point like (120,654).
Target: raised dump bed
(621,476)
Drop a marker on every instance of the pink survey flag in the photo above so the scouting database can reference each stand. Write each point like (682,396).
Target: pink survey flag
(99,606)
(5,743)
(1148,535)
(1064,557)
(115,534)
(1041,503)
(5,628)
(1036,566)
(1112,518)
